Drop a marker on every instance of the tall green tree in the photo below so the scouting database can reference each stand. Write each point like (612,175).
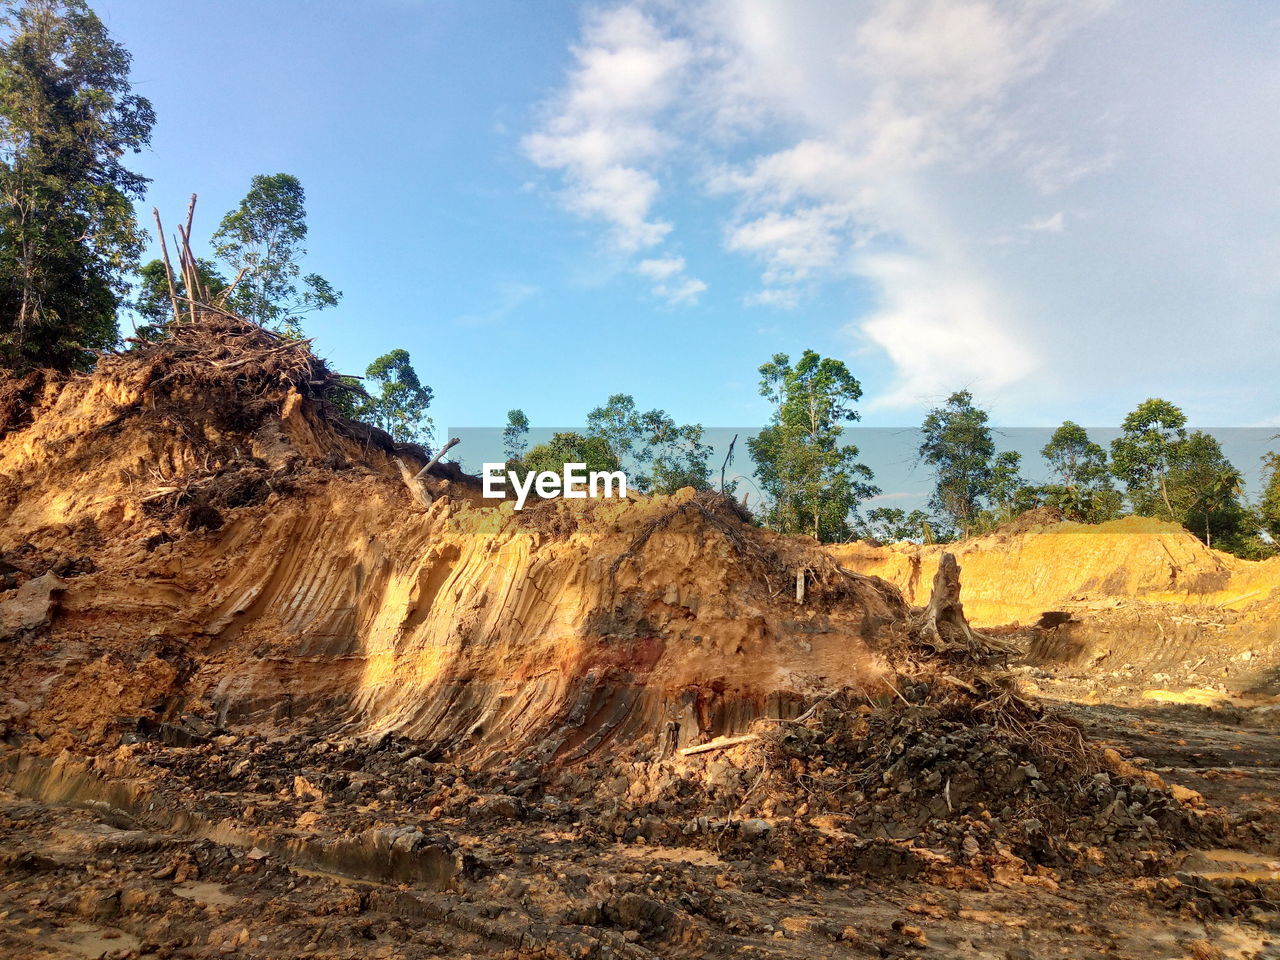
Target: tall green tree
(1083,490)
(1206,490)
(151,297)
(1008,492)
(68,235)
(660,455)
(515,435)
(956,444)
(1144,453)
(400,404)
(263,240)
(1269,505)
(813,480)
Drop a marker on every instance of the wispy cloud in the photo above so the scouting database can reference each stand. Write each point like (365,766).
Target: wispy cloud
(1028,191)
(601,131)
(670,282)
(660,269)
(511,296)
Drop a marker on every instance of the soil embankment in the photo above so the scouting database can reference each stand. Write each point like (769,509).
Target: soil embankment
(266,694)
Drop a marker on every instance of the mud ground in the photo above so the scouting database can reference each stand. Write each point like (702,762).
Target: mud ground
(538,878)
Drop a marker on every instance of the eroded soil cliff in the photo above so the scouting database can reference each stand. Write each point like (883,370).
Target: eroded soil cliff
(265,694)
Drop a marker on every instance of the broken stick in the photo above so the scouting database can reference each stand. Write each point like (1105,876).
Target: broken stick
(422,474)
(719,743)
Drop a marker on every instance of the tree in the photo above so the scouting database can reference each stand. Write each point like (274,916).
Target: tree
(68,235)
(1205,490)
(515,435)
(661,455)
(1269,507)
(152,303)
(1083,491)
(1143,455)
(1008,492)
(956,442)
(894,525)
(263,238)
(813,482)
(594,451)
(400,406)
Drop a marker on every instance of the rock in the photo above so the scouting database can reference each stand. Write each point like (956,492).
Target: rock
(800,926)
(497,807)
(1186,795)
(31,607)
(304,789)
(755,829)
(99,904)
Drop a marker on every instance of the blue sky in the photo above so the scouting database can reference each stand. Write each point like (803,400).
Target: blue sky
(1063,207)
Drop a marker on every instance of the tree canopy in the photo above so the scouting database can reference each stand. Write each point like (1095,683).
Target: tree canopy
(261,242)
(659,455)
(1143,455)
(515,435)
(1083,490)
(399,405)
(570,447)
(956,443)
(813,481)
(1269,507)
(68,235)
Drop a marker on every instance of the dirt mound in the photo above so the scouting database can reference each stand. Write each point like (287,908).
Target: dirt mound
(230,616)
(1134,591)
(200,502)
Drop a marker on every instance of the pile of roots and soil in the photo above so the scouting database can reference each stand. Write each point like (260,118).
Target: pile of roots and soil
(240,372)
(931,788)
(943,767)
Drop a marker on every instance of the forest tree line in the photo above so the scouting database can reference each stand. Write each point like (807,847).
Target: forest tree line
(70,273)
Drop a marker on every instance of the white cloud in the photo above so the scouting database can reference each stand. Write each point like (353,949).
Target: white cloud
(942,327)
(660,269)
(670,282)
(511,296)
(684,290)
(783,298)
(1052,224)
(600,132)
(913,146)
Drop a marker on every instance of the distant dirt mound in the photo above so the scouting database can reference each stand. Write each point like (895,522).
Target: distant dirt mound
(1133,590)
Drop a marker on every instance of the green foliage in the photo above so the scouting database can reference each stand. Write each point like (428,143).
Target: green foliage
(813,482)
(68,235)
(1008,492)
(661,456)
(957,444)
(894,525)
(564,448)
(515,435)
(151,300)
(263,237)
(1184,477)
(1143,455)
(1084,491)
(1269,507)
(1205,490)
(400,404)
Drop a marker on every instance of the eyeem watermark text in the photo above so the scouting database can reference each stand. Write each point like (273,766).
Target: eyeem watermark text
(575,483)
